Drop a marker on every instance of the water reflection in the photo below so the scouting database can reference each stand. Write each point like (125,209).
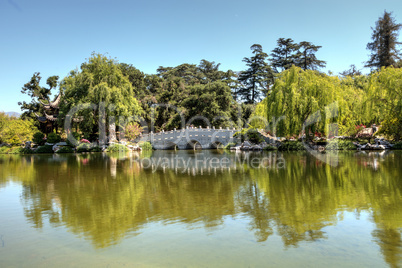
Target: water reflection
(106,198)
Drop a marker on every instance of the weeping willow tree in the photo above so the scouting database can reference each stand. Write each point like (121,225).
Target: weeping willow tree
(309,101)
(100,80)
(301,97)
(385,100)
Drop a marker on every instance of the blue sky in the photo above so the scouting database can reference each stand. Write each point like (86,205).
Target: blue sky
(54,37)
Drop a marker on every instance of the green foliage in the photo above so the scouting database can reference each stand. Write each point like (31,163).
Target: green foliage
(384,94)
(291,146)
(336,144)
(74,135)
(249,134)
(132,131)
(288,53)
(270,148)
(37,94)
(100,80)
(53,138)
(19,150)
(96,149)
(65,149)
(45,149)
(145,146)
(384,42)
(315,99)
(397,146)
(83,147)
(38,138)
(230,145)
(117,148)
(4,149)
(14,130)
(255,81)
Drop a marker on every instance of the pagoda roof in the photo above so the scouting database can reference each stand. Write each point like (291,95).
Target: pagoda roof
(53,104)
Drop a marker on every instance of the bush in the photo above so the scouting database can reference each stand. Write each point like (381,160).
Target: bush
(53,138)
(38,138)
(76,136)
(250,134)
(397,146)
(230,145)
(270,148)
(4,149)
(117,148)
(291,146)
(96,149)
(45,149)
(83,147)
(340,145)
(147,146)
(65,150)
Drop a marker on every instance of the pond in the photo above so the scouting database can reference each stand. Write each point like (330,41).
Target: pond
(201,209)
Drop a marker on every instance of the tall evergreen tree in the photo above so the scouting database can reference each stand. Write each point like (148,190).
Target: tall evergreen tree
(255,81)
(306,59)
(384,43)
(283,56)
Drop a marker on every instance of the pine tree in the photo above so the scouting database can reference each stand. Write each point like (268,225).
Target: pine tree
(283,56)
(306,59)
(255,81)
(385,41)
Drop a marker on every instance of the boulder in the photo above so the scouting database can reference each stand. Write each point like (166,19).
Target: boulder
(28,144)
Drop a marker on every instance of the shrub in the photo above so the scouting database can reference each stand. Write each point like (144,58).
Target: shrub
(83,147)
(250,134)
(4,149)
(147,146)
(230,145)
(53,138)
(132,131)
(65,150)
(117,148)
(397,145)
(25,151)
(270,148)
(76,136)
(291,146)
(45,149)
(340,145)
(38,138)
(96,149)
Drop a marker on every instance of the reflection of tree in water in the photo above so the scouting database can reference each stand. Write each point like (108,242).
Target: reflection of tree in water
(296,202)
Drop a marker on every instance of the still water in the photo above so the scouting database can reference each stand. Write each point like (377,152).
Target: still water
(201,209)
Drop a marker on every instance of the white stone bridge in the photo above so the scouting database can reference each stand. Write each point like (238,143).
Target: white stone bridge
(190,138)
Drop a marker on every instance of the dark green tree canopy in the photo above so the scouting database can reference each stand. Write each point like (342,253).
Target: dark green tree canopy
(288,53)
(255,81)
(305,57)
(384,45)
(284,55)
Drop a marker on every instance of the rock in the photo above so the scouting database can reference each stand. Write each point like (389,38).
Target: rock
(28,144)
(247,143)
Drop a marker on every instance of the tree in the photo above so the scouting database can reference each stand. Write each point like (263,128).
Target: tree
(213,101)
(385,91)
(283,56)
(352,71)
(305,57)
(100,80)
(384,51)
(38,94)
(15,130)
(255,81)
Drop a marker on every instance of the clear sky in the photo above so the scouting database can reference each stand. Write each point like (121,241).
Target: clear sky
(54,37)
